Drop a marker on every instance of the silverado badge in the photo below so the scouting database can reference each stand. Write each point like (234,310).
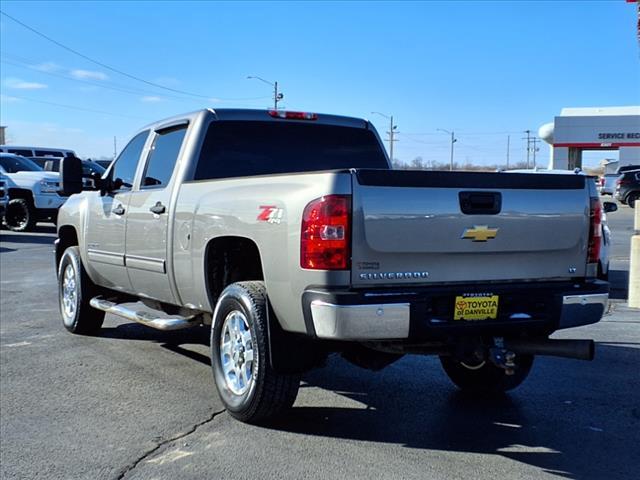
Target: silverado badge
(480,233)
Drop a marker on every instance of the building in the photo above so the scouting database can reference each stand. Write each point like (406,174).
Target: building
(594,128)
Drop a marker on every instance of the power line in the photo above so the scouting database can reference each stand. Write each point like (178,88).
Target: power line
(73,107)
(103,65)
(467,133)
(110,85)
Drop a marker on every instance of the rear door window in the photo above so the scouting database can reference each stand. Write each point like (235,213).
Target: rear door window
(163,157)
(48,153)
(20,151)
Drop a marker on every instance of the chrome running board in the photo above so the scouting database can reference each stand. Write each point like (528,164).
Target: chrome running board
(146,316)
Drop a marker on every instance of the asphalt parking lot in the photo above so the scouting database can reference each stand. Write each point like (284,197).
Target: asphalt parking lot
(135,403)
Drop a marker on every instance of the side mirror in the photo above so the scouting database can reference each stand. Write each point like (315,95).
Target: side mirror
(609,207)
(70,175)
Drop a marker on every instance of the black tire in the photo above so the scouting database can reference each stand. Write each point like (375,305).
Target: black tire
(77,315)
(632,199)
(266,393)
(20,215)
(486,377)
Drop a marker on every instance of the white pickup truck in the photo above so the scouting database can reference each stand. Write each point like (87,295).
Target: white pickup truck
(288,233)
(33,194)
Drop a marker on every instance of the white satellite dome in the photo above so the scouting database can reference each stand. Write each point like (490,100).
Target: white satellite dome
(545,132)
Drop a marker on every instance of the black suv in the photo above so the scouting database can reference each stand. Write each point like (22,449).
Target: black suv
(628,187)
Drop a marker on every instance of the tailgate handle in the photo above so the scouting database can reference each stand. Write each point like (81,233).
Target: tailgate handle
(480,203)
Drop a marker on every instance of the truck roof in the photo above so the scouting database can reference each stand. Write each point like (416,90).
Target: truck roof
(237,114)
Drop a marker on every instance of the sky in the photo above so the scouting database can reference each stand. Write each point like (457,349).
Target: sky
(485,70)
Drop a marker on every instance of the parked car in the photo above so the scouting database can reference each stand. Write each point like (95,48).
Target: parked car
(626,168)
(289,234)
(628,187)
(4,197)
(608,183)
(36,151)
(89,167)
(33,193)
(103,163)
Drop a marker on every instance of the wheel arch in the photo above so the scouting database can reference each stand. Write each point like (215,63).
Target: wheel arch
(25,193)
(230,259)
(67,237)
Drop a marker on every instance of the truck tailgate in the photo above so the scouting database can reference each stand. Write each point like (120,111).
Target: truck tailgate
(433,227)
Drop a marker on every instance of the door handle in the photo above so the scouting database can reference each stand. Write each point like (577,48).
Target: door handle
(119,210)
(158,208)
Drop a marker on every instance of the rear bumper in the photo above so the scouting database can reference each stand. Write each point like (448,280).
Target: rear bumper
(427,313)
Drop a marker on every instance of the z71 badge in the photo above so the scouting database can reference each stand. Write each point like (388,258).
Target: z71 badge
(270,214)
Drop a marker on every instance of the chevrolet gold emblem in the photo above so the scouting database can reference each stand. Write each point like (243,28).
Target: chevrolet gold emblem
(480,233)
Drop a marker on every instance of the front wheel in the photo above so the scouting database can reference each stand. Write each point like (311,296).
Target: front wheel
(632,199)
(485,377)
(249,387)
(20,215)
(75,290)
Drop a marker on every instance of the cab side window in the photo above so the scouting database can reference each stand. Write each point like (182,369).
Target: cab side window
(163,157)
(124,169)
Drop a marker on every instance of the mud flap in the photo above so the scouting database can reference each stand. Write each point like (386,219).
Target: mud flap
(292,352)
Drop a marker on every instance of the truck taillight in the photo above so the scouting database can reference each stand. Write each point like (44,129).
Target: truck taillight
(595,231)
(325,237)
(289,115)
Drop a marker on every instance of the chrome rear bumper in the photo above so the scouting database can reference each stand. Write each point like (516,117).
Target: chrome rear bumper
(583,309)
(361,322)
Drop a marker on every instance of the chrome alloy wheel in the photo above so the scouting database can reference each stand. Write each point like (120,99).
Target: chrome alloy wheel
(69,294)
(237,353)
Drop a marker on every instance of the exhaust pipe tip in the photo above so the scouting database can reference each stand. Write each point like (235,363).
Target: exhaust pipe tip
(577,349)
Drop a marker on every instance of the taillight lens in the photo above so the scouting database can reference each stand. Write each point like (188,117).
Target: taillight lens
(595,231)
(293,115)
(325,237)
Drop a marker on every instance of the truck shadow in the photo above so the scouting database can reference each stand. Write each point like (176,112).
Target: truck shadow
(558,421)
(171,341)
(571,419)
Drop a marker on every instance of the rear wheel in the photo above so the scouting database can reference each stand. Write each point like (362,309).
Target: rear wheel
(249,387)
(75,290)
(20,215)
(485,377)
(631,199)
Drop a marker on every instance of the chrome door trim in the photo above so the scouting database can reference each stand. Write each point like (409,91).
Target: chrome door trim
(102,256)
(148,264)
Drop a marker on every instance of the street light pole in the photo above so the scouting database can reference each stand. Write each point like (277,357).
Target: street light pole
(453,140)
(276,96)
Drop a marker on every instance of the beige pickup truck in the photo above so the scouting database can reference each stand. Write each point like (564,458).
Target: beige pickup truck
(288,233)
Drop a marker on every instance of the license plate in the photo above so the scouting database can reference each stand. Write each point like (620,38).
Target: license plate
(476,306)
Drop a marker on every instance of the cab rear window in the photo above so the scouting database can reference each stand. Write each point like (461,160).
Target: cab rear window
(247,148)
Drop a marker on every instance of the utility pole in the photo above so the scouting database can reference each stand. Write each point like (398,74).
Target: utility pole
(528,139)
(535,149)
(392,127)
(508,140)
(392,131)
(114,147)
(276,96)
(453,140)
